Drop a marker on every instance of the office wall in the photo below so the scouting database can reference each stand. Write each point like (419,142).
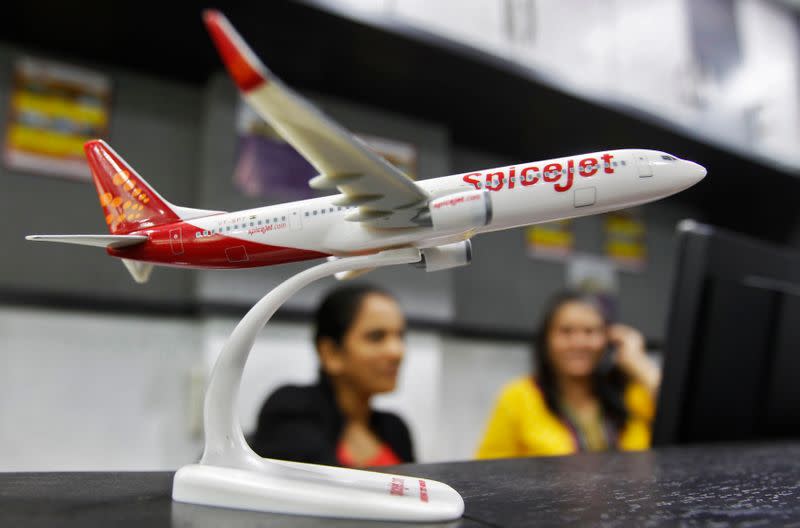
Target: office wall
(475,370)
(90,391)
(82,390)
(155,126)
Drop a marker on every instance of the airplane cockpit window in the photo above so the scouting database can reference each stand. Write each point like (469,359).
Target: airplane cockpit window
(668,158)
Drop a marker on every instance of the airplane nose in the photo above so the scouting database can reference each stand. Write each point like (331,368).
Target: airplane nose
(695,171)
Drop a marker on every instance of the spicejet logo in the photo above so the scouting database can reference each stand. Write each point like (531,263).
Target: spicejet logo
(551,173)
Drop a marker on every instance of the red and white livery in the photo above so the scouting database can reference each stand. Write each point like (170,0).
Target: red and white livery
(378,207)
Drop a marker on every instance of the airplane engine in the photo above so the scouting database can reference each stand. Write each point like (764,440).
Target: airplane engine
(446,256)
(458,212)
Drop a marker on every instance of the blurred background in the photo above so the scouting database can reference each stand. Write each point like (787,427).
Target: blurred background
(97,372)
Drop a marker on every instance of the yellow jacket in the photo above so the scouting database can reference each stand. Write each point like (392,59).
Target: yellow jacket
(523,425)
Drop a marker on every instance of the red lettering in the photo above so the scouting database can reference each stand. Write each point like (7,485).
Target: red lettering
(448,203)
(397,486)
(524,175)
(473,179)
(570,172)
(588,167)
(552,172)
(489,180)
(607,162)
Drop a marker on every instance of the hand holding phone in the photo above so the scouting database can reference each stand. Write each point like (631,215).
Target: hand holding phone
(630,355)
(628,344)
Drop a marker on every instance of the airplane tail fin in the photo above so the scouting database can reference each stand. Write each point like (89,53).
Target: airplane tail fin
(128,201)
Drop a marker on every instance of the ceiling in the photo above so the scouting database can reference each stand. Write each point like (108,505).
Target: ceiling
(487,103)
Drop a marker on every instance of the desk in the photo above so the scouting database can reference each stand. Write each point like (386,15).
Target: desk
(730,484)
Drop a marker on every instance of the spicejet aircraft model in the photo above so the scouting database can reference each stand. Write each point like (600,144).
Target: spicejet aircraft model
(379,206)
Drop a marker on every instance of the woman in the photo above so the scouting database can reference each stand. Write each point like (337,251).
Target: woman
(360,332)
(593,390)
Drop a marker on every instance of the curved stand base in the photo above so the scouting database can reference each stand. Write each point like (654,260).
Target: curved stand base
(320,491)
(231,475)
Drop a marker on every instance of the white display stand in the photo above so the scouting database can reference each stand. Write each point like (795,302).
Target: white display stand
(231,475)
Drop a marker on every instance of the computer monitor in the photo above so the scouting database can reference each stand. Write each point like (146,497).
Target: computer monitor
(732,346)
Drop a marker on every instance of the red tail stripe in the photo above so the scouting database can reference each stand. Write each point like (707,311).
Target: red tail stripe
(247,72)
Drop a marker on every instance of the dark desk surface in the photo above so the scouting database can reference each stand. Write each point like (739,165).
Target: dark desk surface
(745,485)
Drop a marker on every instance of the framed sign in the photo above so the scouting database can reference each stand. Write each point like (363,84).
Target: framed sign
(54,109)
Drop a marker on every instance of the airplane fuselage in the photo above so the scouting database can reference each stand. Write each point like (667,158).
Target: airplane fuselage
(522,194)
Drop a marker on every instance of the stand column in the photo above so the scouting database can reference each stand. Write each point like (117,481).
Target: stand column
(231,475)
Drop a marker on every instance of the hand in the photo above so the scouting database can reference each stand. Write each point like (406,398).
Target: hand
(631,356)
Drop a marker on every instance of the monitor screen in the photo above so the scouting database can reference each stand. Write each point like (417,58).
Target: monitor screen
(732,344)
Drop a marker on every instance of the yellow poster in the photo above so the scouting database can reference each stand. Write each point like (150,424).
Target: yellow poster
(54,109)
(554,240)
(625,239)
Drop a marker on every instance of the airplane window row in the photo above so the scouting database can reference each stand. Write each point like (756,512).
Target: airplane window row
(324,210)
(254,223)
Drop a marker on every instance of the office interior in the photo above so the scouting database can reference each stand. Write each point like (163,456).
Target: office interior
(101,373)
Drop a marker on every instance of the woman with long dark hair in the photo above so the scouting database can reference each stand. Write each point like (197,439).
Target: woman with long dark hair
(593,388)
(360,339)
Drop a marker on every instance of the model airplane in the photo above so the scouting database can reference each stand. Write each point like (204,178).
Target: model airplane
(379,206)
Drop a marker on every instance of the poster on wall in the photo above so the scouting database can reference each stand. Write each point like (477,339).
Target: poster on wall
(625,243)
(269,167)
(54,109)
(553,240)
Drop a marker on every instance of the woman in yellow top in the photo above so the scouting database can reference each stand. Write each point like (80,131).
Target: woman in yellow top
(593,389)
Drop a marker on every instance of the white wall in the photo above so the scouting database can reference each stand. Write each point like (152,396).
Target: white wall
(475,370)
(87,391)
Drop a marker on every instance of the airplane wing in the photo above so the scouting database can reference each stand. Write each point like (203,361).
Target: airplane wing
(385,196)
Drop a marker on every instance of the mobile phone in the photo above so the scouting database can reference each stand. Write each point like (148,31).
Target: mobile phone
(607,361)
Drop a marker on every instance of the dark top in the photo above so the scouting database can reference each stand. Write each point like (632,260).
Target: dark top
(304,424)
